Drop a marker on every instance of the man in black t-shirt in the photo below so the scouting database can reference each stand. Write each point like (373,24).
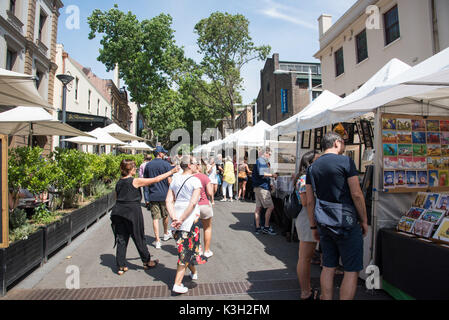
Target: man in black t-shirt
(336,181)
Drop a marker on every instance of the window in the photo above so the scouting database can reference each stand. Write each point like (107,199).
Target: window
(76,88)
(316,94)
(88,100)
(10,59)
(106,111)
(361,46)
(98,107)
(268,86)
(42,20)
(12,6)
(284,101)
(391,24)
(39,77)
(339,63)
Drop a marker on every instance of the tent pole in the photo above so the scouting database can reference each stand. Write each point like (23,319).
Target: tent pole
(30,136)
(377,186)
(298,146)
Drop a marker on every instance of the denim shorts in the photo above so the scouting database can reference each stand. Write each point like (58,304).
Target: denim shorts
(348,247)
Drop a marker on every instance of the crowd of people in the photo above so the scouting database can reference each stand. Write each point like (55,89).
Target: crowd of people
(183,189)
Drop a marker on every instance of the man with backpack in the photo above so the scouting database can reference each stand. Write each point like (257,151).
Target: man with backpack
(337,214)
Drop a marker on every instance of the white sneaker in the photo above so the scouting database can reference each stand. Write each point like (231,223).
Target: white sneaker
(180,289)
(194,276)
(223,200)
(158,245)
(167,236)
(208,254)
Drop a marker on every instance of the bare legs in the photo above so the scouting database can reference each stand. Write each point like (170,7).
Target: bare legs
(181,270)
(207,226)
(267,216)
(156,227)
(242,189)
(306,250)
(348,285)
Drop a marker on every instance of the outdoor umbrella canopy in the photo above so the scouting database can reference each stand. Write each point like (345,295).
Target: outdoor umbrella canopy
(136,145)
(120,133)
(100,137)
(24,121)
(17,89)
(255,136)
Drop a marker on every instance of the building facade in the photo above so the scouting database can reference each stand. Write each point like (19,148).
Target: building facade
(28,33)
(356,46)
(245,118)
(284,88)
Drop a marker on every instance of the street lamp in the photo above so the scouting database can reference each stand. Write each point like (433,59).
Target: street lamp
(65,79)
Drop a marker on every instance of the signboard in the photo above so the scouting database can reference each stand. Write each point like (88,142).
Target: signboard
(4,221)
(284,101)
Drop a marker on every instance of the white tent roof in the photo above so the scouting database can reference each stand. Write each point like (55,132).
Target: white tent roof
(255,136)
(23,121)
(325,100)
(120,133)
(328,115)
(101,138)
(427,81)
(17,89)
(229,140)
(136,145)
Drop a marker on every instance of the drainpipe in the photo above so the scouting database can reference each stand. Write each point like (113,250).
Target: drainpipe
(435,36)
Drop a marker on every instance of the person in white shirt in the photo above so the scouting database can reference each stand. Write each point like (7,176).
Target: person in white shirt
(182,206)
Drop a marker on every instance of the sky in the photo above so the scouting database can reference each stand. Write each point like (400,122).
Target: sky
(290,27)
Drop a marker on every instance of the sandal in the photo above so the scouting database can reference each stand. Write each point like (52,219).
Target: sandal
(122,270)
(148,265)
(314,295)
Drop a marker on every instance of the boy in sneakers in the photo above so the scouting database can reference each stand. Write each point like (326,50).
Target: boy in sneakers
(261,183)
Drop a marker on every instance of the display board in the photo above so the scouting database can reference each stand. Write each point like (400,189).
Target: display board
(4,221)
(415,153)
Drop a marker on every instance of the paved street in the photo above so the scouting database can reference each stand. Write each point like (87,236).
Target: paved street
(245,266)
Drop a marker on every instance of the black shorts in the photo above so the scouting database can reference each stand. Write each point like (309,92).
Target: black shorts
(243,179)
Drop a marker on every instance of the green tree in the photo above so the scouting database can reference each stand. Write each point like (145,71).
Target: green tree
(226,46)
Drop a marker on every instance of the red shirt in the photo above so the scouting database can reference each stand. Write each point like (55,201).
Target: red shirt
(204,182)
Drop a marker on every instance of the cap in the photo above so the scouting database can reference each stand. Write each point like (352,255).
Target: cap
(160,149)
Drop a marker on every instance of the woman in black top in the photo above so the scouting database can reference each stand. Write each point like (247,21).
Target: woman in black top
(126,216)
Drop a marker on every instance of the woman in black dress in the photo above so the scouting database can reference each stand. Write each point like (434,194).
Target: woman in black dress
(126,216)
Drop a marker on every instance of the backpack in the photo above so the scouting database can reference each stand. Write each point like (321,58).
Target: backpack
(292,206)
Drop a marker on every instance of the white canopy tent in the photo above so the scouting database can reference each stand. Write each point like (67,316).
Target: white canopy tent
(136,145)
(29,121)
(100,137)
(17,89)
(120,133)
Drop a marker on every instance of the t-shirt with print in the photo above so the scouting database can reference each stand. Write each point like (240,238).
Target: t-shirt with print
(300,186)
(331,173)
(183,197)
(204,182)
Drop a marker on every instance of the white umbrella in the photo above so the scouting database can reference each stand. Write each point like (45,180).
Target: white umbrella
(18,89)
(120,133)
(136,145)
(24,121)
(100,138)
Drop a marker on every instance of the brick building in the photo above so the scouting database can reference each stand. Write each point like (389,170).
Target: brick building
(284,88)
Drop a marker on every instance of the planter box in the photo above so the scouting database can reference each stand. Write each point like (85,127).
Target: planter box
(56,235)
(21,257)
(111,200)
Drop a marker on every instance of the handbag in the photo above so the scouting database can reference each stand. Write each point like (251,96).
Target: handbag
(337,218)
(292,206)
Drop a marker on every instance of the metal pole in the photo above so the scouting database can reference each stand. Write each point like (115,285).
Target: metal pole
(62,144)
(310,86)
(255,113)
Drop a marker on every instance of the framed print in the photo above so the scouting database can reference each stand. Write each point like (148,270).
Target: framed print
(442,232)
(390,162)
(388,179)
(389,136)
(403,124)
(433,125)
(389,124)
(418,137)
(390,150)
(411,179)
(367,131)
(404,137)
(360,132)
(415,212)
(418,125)
(423,228)
(431,200)
(444,125)
(305,139)
(400,178)
(317,138)
(420,150)
(433,137)
(443,202)
(406,224)
(422,180)
(433,215)
(420,199)
(433,178)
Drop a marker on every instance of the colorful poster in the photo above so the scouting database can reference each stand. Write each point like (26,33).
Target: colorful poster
(389,124)
(422,179)
(418,125)
(400,178)
(444,137)
(444,125)
(390,149)
(433,125)
(434,163)
(443,178)
(433,150)
(419,163)
(442,232)
(444,150)
(433,137)
(411,179)
(433,215)
(420,150)
(388,179)
(431,200)
(419,137)
(445,163)
(406,224)
(420,199)
(433,178)
(405,150)
(405,163)
(415,212)
(403,124)
(423,228)
(390,137)
(404,137)
(391,163)
(443,202)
